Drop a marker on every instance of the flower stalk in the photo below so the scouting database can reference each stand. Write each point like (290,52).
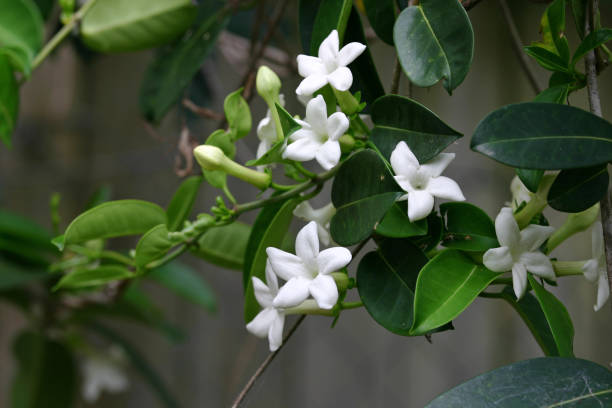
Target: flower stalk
(573,224)
(212,158)
(537,203)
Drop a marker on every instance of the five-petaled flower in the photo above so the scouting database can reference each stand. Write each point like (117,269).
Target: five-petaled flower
(423,182)
(270,320)
(319,135)
(322,216)
(308,271)
(329,66)
(595,269)
(519,251)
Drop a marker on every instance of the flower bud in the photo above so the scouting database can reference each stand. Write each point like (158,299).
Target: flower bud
(209,157)
(574,223)
(268,85)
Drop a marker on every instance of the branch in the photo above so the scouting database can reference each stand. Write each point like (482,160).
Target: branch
(397,73)
(202,111)
(517,45)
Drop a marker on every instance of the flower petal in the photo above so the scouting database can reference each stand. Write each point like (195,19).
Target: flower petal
(311,84)
(286,265)
(309,65)
(519,279)
(292,293)
(302,150)
(590,269)
(498,259)
(328,154)
(341,79)
(603,291)
(333,259)
(337,125)
(304,133)
(316,115)
(304,211)
(271,279)
(328,50)
(262,293)
(538,264)
(275,334)
(324,290)
(349,52)
(533,236)
(260,325)
(403,161)
(307,244)
(445,187)
(324,235)
(506,228)
(420,204)
(404,183)
(436,166)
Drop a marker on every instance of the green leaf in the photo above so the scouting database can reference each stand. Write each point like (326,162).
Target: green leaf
(272,235)
(547,59)
(114,219)
(545,382)
(238,114)
(13,275)
(332,15)
(224,246)
(578,189)
(467,227)
(173,68)
(395,223)
(445,287)
(186,283)
(397,119)
(555,94)
(119,26)
(46,374)
(558,319)
(579,13)
(530,178)
(593,40)
(154,244)
(381,14)
(435,40)
(21,33)
(9,100)
(16,227)
(530,311)
(434,233)
(386,280)
(363,191)
(86,278)
(307,13)
(182,202)
(544,136)
(552,27)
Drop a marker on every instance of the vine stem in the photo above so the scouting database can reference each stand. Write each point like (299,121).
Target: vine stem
(590,63)
(397,73)
(62,34)
(265,364)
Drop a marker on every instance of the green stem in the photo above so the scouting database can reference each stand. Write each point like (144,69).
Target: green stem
(568,268)
(302,170)
(104,254)
(574,223)
(169,257)
(351,305)
(537,203)
(280,136)
(309,306)
(61,34)
(281,187)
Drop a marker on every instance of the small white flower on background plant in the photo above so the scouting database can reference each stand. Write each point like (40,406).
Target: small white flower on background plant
(308,271)
(520,193)
(423,182)
(595,269)
(329,67)
(103,373)
(266,132)
(519,251)
(270,320)
(319,135)
(322,216)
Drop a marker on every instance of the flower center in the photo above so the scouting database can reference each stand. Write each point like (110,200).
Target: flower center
(419,180)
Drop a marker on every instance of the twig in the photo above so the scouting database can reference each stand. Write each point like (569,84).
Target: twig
(202,111)
(397,73)
(590,63)
(517,45)
(264,365)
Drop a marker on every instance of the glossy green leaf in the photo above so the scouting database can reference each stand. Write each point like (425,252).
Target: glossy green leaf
(552,29)
(173,68)
(547,59)
(555,94)
(86,278)
(9,100)
(381,14)
(530,311)
(544,136)
(307,13)
(331,15)
(545,382)
(119,26)
(593,40)
(363,191)
(114,219)
(578,189)
(272,235)
(154,244)
(467,227)
(445,287)
(186,283)
(395,223)
(224,246)
(435,229)
(557,317)
(46,373)
(182,202)
(435,40)
(274,155)
(238,114)
(579,13)
(386,280)
(530,178)
(397,118)
(21,33)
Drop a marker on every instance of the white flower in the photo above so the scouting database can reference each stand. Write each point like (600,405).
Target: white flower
(520,193)
(329,67)
(595,269)
(102,373)
(270,321)
(423,182)
(266,132)
(308,272)
(519,251)
(319,135)
(321,216)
